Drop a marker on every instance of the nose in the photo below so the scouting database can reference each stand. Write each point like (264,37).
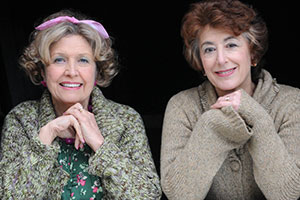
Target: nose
(71,69)
(221,56)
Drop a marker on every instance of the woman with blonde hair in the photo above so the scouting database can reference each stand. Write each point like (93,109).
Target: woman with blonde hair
(73,143)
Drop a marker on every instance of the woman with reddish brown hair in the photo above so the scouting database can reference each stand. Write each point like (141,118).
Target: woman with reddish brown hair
(237,135)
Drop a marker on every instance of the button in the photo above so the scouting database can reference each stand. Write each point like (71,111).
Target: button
(235,165)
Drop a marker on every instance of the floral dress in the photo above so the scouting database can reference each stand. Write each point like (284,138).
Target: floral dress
(81,185)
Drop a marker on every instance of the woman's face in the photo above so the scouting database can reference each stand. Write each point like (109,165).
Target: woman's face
(226,60)
(71,75)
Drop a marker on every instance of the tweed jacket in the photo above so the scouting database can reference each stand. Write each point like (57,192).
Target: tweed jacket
(223,154)
(30,170)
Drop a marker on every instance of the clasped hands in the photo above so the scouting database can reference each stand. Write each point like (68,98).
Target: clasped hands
(232,99)
(77,123)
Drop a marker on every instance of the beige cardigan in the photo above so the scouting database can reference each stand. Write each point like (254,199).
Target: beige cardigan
(252,153)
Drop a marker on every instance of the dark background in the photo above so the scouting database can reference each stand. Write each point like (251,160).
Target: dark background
(147,38)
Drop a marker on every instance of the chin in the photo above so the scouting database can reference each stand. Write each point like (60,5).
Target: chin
(71,100)
(227,89)
(227,86)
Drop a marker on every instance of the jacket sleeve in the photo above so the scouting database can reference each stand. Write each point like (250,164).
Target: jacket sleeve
(192,153)
(26,164)
(124,163)
(275,150)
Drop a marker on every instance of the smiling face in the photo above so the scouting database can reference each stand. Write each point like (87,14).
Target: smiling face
(71,74)
(226,60)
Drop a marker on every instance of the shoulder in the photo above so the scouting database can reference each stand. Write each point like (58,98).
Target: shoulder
(185,105)
(184,98)
(286,90)
(23,110)
(106,107)
(22,118)
(122,111)
(121,114)
(287,96)
(282,93)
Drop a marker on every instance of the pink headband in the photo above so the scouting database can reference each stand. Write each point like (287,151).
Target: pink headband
(95,25)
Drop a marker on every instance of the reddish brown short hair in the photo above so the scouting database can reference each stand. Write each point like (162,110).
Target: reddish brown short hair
(228,14)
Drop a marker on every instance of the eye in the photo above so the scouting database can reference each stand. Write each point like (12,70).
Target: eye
(231,45)
(59,60)
(209,50)
(83,60)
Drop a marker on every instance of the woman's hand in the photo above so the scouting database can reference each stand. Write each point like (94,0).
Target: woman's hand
(233,99)
(89,128)
(65,126)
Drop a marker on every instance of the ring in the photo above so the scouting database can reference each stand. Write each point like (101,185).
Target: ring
(80,109)
(227,98)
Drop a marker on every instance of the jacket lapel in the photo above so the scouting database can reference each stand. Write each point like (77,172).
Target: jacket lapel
(105,112)
(266,90)
(46,112)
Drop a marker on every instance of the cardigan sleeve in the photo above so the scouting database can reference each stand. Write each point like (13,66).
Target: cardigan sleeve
(124,163)
(275,151)
(26,165)
(193,152)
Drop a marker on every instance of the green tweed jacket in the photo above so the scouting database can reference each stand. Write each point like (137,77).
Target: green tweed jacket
(252,153)
(30,170)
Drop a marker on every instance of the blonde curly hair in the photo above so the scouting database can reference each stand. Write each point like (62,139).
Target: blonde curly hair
(36,56)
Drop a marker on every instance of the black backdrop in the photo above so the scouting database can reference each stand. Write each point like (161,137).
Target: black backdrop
(147,38)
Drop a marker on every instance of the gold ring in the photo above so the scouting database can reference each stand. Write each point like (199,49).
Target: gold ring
(80,109)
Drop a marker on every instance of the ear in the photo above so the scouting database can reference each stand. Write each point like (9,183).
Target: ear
(253,60)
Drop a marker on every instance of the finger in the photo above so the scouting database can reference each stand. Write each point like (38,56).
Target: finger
(77,128)
(79,114)
(77,142)
(221,104)
(75,107)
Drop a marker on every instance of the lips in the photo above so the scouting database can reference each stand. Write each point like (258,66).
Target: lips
(71,84)
(225,73)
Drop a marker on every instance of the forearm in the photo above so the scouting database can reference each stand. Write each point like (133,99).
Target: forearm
(190,175)
(274,151)
(46,136)
(188,168)
(276,171)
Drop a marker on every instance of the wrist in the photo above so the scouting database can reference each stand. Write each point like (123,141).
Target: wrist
(97,144)
(46,136)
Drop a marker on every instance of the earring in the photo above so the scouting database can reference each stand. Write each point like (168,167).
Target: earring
(44,83)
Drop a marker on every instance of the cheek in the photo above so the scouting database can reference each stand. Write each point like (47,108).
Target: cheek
(90,75)
(246,60)
(52,75)
(207,64)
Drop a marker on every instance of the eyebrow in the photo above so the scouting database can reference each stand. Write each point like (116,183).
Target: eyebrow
(211,43)
(85,54)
